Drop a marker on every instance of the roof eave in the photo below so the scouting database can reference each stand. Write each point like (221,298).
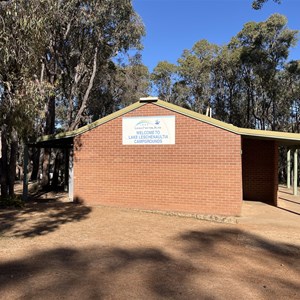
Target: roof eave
(282,137)
(198,116)
(81,130)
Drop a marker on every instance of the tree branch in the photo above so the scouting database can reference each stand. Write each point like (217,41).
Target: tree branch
(78,117)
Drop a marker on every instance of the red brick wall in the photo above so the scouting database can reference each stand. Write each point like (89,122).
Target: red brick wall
(201,173)
(260,170)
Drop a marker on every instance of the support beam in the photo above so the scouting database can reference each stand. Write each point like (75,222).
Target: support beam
(66,170)
(295,185)
(71,175)
(25,174)
(288,169)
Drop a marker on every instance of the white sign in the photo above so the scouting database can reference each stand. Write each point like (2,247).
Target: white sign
(158,130)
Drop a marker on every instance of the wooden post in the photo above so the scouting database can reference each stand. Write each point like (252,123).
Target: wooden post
(288,169)
(25,174)
(71,175)
(66,170)
(295,185)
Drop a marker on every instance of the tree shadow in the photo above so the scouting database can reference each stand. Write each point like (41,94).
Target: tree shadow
(252,259)
(96,273)
(162,274)
(40,217)
(209,264)
(198,241)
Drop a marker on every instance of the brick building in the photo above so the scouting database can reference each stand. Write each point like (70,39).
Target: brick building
(158,156)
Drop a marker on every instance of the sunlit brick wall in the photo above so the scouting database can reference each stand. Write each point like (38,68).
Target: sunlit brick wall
(201,173)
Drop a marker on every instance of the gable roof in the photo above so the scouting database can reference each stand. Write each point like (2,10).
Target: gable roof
(70,134)
(285,138)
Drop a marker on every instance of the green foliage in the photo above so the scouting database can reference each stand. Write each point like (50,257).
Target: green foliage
(264,48)
(194,67)
(258,4)
(21,37)
(163,77)
(266,42)
(122,85)
(60,49)
(248,82)
(91,33)
(55,56)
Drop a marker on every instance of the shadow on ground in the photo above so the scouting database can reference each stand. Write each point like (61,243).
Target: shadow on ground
(212,264)
(39,217)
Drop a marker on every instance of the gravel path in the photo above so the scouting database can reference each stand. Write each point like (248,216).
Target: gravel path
(59,250)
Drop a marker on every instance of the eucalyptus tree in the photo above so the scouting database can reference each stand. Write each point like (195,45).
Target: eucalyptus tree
(85,36)
(264,49)
(163,78)
(90,34)
(21,38)
(122,85)
(181,94)
(258,4)
(133,80)
(194,68)
(228,104)
(51,57)
(291,87)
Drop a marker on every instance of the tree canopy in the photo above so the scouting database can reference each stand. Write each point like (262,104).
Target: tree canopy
(258,4)
(243,82)
(55,61)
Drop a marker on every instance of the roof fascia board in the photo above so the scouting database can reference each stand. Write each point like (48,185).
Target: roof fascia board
(263,134)
(197,116)
(267,134)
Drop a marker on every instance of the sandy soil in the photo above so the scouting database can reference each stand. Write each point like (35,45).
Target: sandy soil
(53,249)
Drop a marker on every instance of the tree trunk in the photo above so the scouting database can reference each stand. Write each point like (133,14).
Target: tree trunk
(49,129)
(36,163)
(50,116)
(79,114)
(12,162)
(4,148)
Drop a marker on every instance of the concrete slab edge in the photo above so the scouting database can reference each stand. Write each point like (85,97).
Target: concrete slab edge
(203,217)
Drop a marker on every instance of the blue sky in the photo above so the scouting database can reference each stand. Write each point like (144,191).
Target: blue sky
(175,25)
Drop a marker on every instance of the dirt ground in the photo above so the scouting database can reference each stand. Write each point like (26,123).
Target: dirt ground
(52,249)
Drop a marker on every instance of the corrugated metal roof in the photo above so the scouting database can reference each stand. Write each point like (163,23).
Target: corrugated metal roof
(282,137)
